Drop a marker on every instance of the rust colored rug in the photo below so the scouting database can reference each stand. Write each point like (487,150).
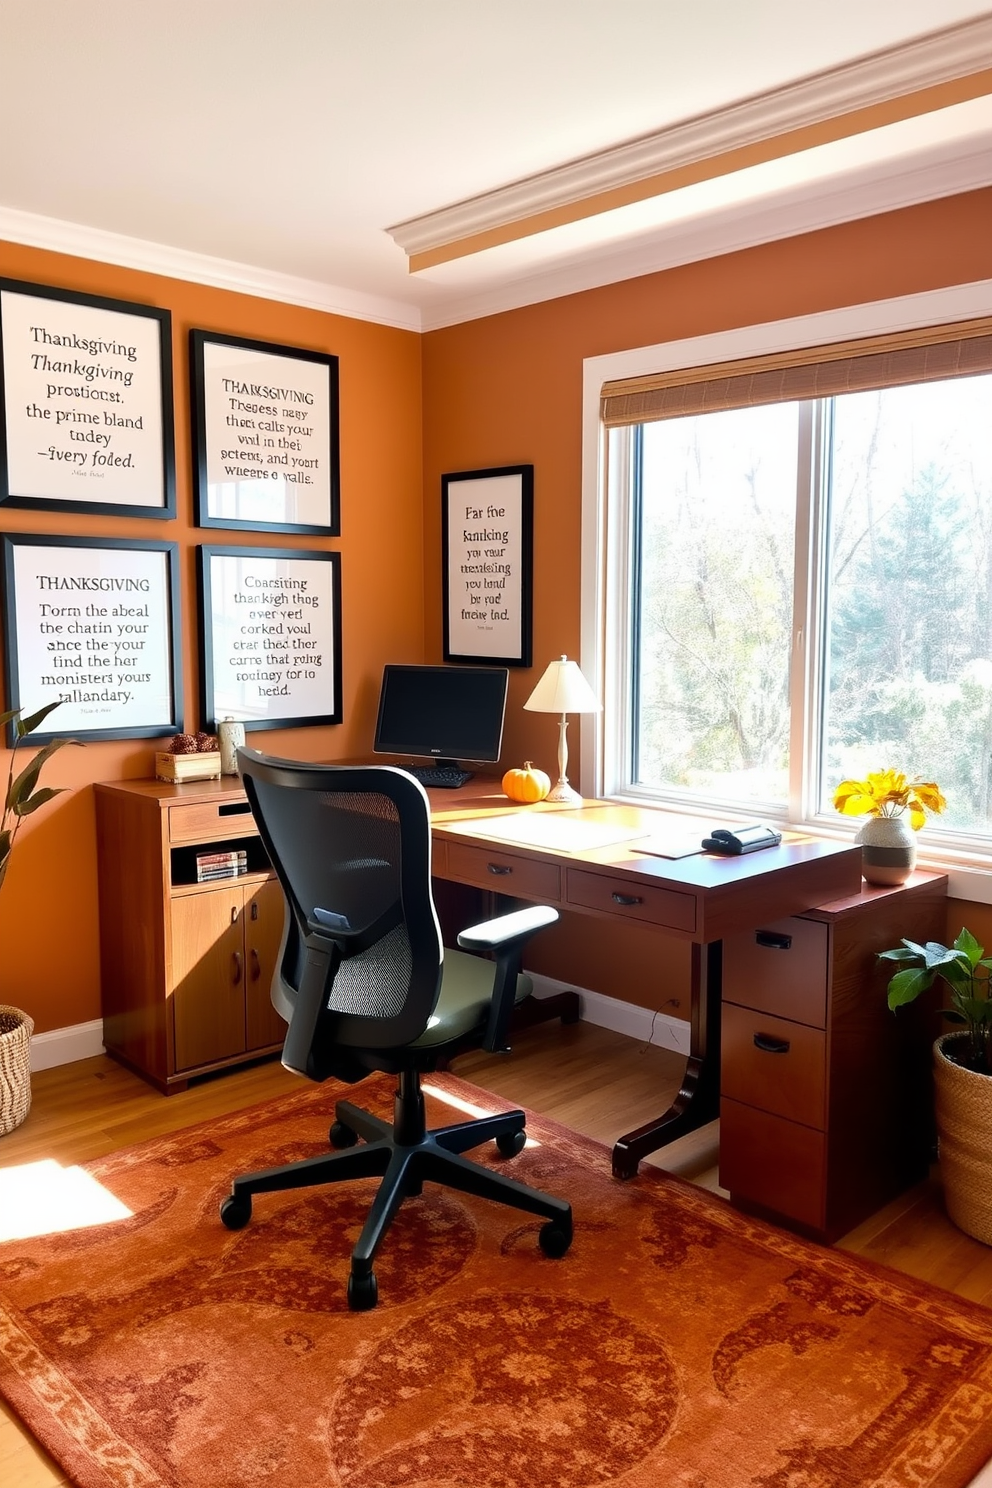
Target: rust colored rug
(677,1345)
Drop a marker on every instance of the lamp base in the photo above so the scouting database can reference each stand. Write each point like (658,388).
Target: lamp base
(563,792)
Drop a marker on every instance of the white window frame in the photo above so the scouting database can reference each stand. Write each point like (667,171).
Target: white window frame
(605,642)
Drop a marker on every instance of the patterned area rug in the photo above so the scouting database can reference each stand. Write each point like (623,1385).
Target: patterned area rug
(677,1345)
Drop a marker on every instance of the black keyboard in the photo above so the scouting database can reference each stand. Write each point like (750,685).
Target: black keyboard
(443,777)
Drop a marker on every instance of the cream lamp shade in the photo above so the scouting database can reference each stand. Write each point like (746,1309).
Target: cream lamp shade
(563,690)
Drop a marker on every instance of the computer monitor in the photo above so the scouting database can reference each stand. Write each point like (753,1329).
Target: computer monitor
(442,712)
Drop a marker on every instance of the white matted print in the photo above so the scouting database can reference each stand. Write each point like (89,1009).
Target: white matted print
(265,433)
(87,403)
(271,628)
(487,538)
(89,622)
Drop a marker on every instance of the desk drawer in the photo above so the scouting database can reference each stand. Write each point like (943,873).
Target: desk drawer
(775,1164)
(503,872)
(780,969)
(614,895)
(774,1065)
(210,818)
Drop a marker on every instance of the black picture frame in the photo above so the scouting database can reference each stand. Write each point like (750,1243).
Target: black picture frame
(93,621)
(487,568)
(257,612)
(86,404)
(267,416)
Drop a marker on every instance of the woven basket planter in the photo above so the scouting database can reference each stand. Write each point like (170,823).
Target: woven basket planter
(15,1067)
(964,1131)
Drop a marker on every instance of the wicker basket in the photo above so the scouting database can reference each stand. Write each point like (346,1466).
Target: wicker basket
(964,1129)
(15,1067)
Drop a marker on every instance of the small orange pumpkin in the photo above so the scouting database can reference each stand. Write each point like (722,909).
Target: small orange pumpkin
(527,784)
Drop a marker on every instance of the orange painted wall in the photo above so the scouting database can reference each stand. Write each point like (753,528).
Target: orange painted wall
(507,390)
(49,947)
(501,390)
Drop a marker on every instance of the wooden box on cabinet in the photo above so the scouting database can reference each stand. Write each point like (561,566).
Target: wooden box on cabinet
(186,967)
(825,1095)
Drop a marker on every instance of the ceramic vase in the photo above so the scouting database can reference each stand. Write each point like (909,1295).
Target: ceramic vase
(964,1139)
(888,849)
(230,737)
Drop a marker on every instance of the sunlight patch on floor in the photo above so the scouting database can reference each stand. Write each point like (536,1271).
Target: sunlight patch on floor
(465,1106)
(42,1198)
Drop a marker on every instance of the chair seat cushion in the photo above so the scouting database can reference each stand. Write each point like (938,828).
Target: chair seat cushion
(463,1002)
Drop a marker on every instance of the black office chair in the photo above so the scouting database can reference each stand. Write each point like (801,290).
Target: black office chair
(365,985)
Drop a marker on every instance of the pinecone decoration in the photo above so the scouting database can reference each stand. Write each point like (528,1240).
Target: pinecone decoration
(184,744)
(205,742)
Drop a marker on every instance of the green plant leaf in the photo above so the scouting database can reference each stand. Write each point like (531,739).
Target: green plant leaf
(917,949)
(40,798)
(24,784)
(901,953)
(28,725)
(941,955)
(907,985)
(967,943)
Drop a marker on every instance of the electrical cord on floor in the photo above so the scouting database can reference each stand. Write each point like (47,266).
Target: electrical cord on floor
(649,1042)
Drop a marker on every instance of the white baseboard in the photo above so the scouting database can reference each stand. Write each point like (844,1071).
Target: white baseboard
(82,1040)
(636,1022)
(65,1045)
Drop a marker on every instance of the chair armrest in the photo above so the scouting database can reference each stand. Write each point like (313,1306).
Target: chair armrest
(490,935)
(506,937)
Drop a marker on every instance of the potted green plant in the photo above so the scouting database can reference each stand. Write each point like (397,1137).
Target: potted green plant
(962,1068)
(23,797)
(896,809)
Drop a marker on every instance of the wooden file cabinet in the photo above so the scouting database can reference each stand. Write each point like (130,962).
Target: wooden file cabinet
(825,1094)
(186,968)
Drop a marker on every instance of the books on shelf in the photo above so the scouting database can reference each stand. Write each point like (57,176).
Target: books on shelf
(210,865)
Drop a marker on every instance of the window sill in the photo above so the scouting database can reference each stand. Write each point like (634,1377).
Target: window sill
(969,875)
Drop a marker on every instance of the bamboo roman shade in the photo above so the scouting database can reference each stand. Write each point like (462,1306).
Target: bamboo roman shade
(925,355)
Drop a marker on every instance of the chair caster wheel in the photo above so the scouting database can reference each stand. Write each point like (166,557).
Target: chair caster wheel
(341,1135)
(555,1237)
(510,1143)
(235,1212)
(363,1292)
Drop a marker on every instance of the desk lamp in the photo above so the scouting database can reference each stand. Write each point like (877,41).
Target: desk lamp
(563,690)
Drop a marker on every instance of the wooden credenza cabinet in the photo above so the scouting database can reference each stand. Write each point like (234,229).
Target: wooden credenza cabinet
(824,1094)
(186,967)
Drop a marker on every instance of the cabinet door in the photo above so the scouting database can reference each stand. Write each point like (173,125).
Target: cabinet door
(208,977)
(263,934)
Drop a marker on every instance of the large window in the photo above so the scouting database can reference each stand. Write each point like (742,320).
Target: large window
(805,594)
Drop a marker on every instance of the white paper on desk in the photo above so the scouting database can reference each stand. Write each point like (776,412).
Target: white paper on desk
(547,829)
(667,847)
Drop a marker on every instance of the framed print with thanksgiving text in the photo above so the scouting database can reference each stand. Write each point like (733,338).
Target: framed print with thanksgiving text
(265,436)
(487,519)
(271,633)
(90,623)
(86,399)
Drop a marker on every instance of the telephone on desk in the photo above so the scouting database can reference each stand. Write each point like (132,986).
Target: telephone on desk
(741,840)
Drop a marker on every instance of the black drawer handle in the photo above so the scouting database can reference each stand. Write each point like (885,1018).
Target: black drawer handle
(773,940)
(627,900)
(234,808)
(769,1045)
(500,868)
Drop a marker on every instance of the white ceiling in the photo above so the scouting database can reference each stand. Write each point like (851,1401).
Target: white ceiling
(271,144)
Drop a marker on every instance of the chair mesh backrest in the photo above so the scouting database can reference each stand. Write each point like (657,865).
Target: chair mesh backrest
(339,854)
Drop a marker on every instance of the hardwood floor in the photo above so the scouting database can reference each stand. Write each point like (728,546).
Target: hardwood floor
(585,1077)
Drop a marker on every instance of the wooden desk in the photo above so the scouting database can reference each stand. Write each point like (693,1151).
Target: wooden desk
(702,899)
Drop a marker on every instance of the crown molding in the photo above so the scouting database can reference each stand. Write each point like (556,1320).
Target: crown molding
(79,241)
(939,58)
(805,209)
